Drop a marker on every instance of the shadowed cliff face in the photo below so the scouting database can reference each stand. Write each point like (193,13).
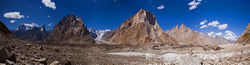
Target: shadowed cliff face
(245,37)
(139,29)
(70,30)
(186,35)
(5,32)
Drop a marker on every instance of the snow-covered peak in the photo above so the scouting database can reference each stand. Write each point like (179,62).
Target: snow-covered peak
(26,26)
(98,34)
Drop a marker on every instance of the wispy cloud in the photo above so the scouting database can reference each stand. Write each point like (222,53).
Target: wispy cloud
(222,26)
(49,3)
(194,4)
(16,15)
(213,23)
(160,7)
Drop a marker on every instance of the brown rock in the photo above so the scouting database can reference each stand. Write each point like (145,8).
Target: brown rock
(245,37)
(187,36)
(139,29)
(70,30)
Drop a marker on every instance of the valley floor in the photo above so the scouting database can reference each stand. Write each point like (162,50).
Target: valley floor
(100,54)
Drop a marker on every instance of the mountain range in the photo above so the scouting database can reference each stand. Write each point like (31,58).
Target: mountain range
(141,28)
(186,35)
(32,34)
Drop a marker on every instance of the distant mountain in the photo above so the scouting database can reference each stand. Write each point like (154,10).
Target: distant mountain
(245,37)
(140,29)
(186,35)
(98,34)
(5,32)
(70,30)
(32,34)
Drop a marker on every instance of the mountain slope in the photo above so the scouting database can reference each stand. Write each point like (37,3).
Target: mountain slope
(5,32)
(70,30)
(139,29)
(34,34)
(245,37)
(186,35)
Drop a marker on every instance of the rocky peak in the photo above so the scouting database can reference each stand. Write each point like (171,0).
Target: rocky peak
(186,35)
(139,29)
(70,30)
(143,16)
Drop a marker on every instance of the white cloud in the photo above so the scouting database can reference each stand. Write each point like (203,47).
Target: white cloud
(213,23)
(49,4)
(222,26)
(194,4)
(230,35)
(16,15)
(50,24)
(48,16)
(160,7)
(203,26)
(12,21)
(213,34)
(31,25)
(203,22)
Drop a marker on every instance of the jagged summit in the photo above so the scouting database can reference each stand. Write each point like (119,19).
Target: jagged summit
(70,30)
(186,35)
(139,29)
(32,34)
(245,37)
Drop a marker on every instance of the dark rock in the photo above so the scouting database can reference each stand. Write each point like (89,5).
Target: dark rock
(70,30)
(3,55)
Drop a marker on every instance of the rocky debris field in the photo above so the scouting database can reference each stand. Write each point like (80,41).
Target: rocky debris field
(17,52)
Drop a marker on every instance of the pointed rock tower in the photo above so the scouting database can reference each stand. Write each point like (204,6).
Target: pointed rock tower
(5,32)
(70,30)
(139,29)
(245,37)
(186,36)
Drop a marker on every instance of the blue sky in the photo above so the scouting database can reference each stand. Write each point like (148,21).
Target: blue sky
(229,15)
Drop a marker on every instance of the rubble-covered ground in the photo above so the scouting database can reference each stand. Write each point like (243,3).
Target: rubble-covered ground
(19,52)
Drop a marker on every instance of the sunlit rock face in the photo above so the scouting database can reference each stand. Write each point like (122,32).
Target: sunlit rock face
(140,29)
(186,35)
(245,37)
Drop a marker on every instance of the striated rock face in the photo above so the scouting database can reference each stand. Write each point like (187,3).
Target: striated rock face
(186,35)
(5,32)
(70,30)
(245,37)
(139,29)
(34,34)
